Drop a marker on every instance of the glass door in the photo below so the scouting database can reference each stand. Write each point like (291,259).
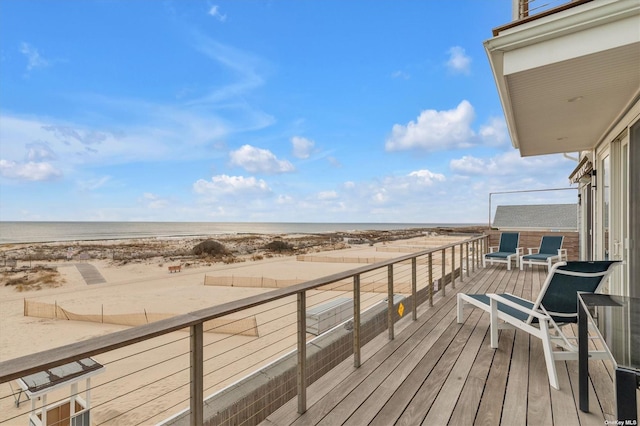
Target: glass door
(619,240)
(612,210)
(603,205)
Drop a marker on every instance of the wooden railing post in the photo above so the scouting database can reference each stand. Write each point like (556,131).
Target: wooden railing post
(430,267)
(197,375)
(461,263)
(390,301)
(414,287)
(302,352)
(466,246)
(473,255)
(443,284)
(356,320)
(453,266)
(483,248)
(523,11)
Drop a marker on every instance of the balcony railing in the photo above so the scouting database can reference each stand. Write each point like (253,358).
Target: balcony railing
(173,369)
(528,10)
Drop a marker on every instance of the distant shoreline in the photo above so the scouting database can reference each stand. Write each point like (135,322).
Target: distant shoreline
(32,232)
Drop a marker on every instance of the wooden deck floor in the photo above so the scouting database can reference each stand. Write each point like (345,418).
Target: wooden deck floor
(437,372)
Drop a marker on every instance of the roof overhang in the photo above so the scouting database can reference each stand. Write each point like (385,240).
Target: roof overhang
(566,78)
(46,381)
(582,172)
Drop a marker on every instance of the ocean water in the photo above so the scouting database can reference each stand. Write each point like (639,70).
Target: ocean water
(35,232)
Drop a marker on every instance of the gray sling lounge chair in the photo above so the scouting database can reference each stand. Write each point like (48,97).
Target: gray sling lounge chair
(507,250)
(555,306)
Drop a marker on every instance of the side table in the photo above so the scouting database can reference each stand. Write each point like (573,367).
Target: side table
(617,323)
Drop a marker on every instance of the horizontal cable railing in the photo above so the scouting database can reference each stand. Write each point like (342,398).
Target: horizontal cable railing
(167,368)
(524,11)
(535,7)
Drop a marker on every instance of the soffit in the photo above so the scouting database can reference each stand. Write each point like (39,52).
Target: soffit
(601,84)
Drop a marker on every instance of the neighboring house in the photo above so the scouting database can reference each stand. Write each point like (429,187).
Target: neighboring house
(539,217)
(569,81)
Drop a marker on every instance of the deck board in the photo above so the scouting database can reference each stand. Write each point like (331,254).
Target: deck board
(403,375)
(490,410)
(469,399)
(436,371)
(514,411)
(426,394)
(446,400)
(401,398)
(539,399)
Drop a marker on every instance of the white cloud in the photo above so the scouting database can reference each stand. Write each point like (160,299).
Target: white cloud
(39,151)
(225,185)
(400,75)
(34,59)
(392,191)
(243,64)
(31,171)
(495,132)
(168,134)
(93,184)
(136,129)
(435,130)
(334,162)
(472,165)
(458,61)
(215,12)
(426,177)
(327,195)
(381,196)
(257,160)
(302,147)
(152,201)
(285,199)
(511,164)
(84,137)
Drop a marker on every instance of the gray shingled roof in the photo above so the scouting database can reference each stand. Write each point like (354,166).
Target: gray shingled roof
(539,216)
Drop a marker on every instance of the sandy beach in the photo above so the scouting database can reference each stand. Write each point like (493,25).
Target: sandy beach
(132,280)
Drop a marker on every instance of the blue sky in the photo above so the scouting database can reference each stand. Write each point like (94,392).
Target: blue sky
(275,111)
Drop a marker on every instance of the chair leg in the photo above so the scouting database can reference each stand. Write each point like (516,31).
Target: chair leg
(460,310)
(494,323)
(548,355)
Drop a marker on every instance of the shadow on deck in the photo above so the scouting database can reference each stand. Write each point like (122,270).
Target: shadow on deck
(438,372)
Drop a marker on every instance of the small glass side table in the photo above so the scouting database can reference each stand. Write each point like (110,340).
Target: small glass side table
(617,322)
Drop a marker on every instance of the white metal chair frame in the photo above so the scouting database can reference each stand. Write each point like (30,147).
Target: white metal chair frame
(562,254)
(492,249)
(502,320)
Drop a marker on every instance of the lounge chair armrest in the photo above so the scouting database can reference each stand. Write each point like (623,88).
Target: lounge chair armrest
(521,308)
(562,254)
(520,251)
(531,250)
(492,249)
